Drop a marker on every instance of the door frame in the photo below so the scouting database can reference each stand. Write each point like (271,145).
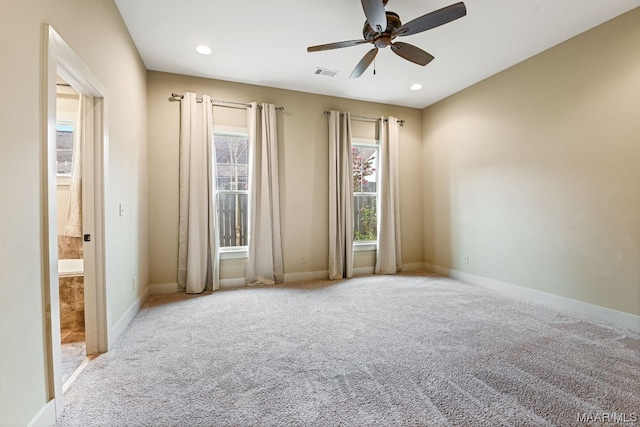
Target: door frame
(61,60)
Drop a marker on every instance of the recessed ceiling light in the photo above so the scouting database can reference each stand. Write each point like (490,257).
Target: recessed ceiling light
(204,50)
(416,86)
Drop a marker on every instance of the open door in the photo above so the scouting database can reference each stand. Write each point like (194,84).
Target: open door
(60,60)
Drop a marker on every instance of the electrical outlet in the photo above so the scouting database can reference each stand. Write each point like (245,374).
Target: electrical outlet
(303,259)
(466,259)
(133,283)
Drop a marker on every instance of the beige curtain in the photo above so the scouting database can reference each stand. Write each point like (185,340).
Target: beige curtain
(73,226)
(264,261)
(389,256)
(340,196)
(198,247)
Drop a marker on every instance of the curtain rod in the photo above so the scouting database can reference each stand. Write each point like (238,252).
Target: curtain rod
(175,97)
(365,118)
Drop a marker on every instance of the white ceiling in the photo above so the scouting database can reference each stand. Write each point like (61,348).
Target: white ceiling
(264,42)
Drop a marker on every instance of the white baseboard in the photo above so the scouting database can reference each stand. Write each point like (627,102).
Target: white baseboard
(595,312)
(318,275)
(437,269)
(363,271)
(46,417)
(235,282)
(127,317)
(413,266)
(306,275)
(288,277)
(163,288)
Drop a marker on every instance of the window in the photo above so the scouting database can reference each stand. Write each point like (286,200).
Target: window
(364,157)
(232,187)
(64,148)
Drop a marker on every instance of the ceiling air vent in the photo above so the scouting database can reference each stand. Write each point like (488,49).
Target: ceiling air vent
(326,72)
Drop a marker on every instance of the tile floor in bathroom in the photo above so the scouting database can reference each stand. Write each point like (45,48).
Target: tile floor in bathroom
(74,351)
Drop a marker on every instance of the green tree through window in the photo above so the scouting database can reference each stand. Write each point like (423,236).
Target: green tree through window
(364,162)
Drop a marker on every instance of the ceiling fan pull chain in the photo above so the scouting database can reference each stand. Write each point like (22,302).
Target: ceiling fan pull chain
(374,67)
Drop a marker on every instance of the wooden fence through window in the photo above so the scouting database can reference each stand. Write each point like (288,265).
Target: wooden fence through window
(232,219)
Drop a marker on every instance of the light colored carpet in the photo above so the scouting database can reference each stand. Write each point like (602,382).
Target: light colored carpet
(379,350)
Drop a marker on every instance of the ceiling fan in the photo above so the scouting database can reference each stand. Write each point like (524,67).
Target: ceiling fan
(382,27)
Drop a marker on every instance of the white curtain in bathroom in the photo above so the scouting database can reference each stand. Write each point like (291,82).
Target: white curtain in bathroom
(340,196)
(264,261)
(73,227)
(389,257)
(198,245)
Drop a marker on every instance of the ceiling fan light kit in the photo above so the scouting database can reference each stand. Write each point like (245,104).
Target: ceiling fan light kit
(382,27)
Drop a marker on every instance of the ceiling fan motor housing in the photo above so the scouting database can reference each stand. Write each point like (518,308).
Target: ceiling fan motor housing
(384,39)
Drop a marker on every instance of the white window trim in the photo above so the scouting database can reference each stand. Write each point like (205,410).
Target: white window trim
(363,246)
(64,179)
(232,192)
(364,141)
(232,252)
(231,130)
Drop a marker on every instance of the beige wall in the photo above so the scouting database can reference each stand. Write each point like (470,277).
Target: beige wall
(534,173)
(303,135)
(97,34)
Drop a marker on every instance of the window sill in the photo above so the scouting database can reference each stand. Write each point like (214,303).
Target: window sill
(234,253)
(365,246)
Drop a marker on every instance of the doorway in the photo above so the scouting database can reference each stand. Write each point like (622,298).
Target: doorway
(71,165)
(64,67)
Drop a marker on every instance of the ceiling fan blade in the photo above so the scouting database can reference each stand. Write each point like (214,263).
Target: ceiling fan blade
(411,53)
(433,19)
(376,16)
(336,45)
(364,63)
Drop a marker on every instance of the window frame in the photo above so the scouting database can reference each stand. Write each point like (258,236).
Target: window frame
(64,178)
(368,245)
(233,252)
